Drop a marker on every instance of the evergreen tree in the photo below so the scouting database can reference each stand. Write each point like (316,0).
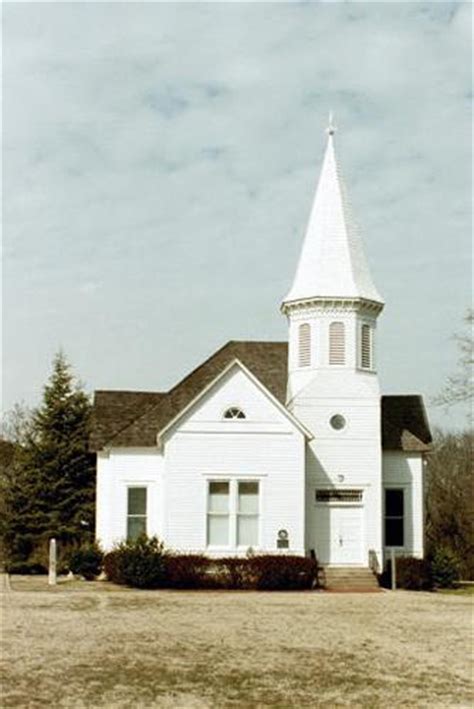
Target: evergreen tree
(50,491)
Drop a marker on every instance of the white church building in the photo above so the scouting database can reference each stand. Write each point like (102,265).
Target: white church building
(274,446)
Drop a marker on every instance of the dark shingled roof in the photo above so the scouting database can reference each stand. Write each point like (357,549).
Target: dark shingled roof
(404,423)
(127,418)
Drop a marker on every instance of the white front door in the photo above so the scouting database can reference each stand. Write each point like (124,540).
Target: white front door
(339,534)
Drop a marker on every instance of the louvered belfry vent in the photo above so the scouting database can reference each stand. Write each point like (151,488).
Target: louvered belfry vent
(304,345)
(337,345)
(366,347)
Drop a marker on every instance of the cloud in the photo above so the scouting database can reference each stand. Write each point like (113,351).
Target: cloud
(169,152)
(89,287)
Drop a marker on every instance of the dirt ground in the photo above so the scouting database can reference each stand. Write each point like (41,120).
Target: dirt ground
(84,645)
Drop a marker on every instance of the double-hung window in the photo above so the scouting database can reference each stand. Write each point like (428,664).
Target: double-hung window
(394,517)
(233,513)
(218,514)
(247,514)
(136,512)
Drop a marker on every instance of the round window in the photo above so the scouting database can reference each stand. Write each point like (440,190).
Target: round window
(338,422)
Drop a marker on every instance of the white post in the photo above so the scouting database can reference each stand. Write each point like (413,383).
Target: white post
(393,565)
(52,562)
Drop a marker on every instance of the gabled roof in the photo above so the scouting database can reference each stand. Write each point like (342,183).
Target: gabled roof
(124,418)
(133,419)
(235,364)
(332,263)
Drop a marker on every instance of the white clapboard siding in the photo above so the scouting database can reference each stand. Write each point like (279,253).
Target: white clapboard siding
(350,457)
(265,446)
(116,472)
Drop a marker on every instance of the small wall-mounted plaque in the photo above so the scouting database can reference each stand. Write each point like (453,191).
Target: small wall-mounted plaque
(283,541)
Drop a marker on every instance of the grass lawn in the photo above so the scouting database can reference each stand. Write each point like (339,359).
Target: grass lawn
(96,645)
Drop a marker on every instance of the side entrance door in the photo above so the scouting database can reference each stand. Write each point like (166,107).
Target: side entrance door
(339,534)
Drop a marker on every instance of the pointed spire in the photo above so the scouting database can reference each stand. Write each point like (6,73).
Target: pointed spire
(331,129)
(332,262)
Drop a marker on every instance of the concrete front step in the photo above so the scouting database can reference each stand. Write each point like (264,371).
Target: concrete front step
(345,578)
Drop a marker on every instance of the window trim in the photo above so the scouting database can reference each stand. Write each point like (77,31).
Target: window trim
(137,486)
(233,514)
(397,488)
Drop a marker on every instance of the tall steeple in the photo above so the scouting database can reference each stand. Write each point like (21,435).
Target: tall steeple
(333,389)
(333,304)
(332,263)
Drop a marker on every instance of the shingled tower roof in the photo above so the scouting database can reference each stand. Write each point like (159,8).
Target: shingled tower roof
(332,262)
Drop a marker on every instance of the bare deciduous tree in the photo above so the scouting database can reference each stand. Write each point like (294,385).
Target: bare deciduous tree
(459,388)
(449,498)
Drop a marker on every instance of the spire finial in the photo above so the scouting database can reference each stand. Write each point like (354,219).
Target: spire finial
(331,129)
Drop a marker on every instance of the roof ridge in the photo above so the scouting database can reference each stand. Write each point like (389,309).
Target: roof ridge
(129,391)
(227,344)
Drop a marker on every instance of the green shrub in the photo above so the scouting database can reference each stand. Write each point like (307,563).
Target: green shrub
(86,561)
(139,563)
(412,574)
(445,568)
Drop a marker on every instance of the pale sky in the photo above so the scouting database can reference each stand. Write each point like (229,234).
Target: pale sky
(159,164)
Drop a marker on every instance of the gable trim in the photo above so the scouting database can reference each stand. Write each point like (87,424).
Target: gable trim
(234,363)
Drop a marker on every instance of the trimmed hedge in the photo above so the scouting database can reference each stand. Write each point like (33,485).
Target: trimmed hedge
(412,574)
(186,571)
(288,573)
(145,564)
